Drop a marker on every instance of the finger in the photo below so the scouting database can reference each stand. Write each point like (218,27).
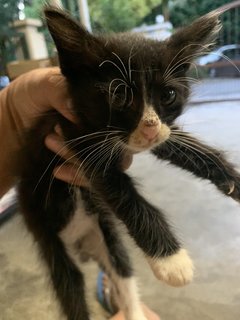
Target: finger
(149,313)
(58,130)
(60,100)
(70,174)
(118,316)
(55,143)
(66,110)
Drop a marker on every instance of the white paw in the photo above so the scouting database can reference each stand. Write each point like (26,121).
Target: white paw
(176,270)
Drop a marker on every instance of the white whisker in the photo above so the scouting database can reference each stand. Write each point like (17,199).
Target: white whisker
(67,146)
(120,60)
(169,67)
(113,63)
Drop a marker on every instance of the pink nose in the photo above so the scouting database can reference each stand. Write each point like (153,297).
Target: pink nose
(150,132)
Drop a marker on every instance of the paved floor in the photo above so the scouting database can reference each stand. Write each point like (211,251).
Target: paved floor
(217,89)
(207,222)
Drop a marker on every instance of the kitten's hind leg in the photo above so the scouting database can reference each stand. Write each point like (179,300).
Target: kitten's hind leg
(116,264)
(84,237)
(67,279)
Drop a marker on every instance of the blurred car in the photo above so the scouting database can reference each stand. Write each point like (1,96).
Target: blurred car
(222,62)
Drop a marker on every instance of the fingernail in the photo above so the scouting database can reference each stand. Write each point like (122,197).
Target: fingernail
(53,137)
(58,130)
(69,104)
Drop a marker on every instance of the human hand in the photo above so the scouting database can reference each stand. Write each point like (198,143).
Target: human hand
(71,171)
(150,315)
(21,103)
(34,93)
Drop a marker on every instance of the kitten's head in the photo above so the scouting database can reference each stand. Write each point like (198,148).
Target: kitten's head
(125,82)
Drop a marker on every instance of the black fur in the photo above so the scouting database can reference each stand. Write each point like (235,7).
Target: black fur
(203,161)
(48,205)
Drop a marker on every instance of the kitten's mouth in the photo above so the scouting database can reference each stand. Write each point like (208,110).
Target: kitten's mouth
(149,133)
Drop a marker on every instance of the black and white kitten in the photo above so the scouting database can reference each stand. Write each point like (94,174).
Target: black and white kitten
(126,93)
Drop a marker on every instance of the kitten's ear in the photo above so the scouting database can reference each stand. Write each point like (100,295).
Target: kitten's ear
(75,45)
(195,39)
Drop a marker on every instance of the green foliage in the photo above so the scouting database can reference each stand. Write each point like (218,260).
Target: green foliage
(106,15)
(8,13)
(34,10)
(121,15)
(183,12)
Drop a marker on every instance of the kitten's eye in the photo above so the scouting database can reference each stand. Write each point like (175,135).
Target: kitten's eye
(118,101)
(168,96)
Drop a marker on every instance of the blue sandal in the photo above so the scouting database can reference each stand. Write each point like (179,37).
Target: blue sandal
(104,295)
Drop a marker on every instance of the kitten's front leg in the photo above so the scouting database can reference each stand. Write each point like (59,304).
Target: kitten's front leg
(148,227)
(205,162)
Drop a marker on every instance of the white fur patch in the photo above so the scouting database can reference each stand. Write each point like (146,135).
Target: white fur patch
(138,141)
(176,270)
(126,294)
(85,229)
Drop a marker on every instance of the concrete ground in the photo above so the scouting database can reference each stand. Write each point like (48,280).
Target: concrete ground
(207,222)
